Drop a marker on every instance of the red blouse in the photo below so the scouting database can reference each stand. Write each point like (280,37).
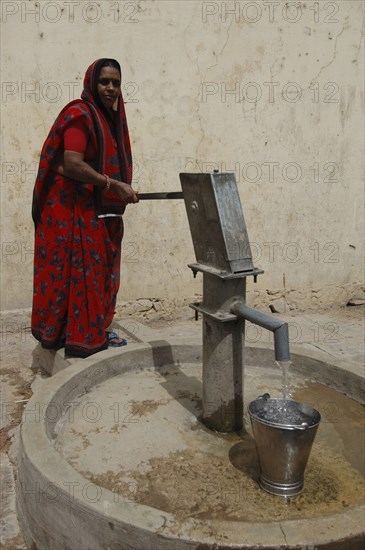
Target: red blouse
(76,138)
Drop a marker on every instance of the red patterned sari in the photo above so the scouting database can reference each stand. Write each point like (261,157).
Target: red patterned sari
(77,254)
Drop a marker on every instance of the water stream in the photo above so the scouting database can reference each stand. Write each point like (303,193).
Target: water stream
(287,388)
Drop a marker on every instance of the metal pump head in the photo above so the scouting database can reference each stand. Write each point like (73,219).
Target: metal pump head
(216,221)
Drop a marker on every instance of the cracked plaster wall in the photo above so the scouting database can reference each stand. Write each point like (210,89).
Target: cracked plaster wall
(270,90)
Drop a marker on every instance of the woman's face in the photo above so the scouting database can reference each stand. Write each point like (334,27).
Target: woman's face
(109,86)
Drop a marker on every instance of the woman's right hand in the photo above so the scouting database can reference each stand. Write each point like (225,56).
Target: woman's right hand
(124,191)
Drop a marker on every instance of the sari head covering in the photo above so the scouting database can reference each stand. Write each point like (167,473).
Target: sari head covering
(111,137)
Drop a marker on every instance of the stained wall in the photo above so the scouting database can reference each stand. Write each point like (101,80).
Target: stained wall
(270,90)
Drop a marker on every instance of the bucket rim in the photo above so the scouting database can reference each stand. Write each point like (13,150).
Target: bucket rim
(286,426)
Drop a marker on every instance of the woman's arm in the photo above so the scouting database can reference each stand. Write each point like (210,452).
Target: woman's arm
(75,167)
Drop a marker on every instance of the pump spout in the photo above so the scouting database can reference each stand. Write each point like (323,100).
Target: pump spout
(278,327)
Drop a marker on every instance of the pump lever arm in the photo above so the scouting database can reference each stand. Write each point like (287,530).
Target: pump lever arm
(158,196)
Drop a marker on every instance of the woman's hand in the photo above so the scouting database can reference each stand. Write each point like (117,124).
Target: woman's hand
(124,191)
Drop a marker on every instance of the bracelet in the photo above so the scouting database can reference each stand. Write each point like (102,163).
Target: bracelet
(107,182)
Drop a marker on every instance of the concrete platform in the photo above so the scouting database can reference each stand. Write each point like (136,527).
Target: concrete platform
(113,455)
(337,335)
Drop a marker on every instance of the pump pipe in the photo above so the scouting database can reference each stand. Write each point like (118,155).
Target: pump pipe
(278,327)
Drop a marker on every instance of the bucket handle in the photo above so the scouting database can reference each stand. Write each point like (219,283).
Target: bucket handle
(265,396)
(301,427)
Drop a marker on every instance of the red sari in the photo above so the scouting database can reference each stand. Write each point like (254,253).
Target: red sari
(77,254)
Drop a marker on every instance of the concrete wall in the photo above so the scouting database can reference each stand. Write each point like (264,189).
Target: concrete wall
(271,90)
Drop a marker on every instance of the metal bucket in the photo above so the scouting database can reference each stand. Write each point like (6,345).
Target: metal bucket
(284,431)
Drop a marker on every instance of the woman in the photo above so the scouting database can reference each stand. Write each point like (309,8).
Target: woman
(81,190)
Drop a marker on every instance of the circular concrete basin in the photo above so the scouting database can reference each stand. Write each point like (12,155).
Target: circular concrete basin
(113,455)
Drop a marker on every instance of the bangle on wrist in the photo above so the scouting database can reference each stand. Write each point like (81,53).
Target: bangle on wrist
(107,182)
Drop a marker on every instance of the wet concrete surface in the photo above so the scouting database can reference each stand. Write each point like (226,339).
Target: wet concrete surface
(140,436)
